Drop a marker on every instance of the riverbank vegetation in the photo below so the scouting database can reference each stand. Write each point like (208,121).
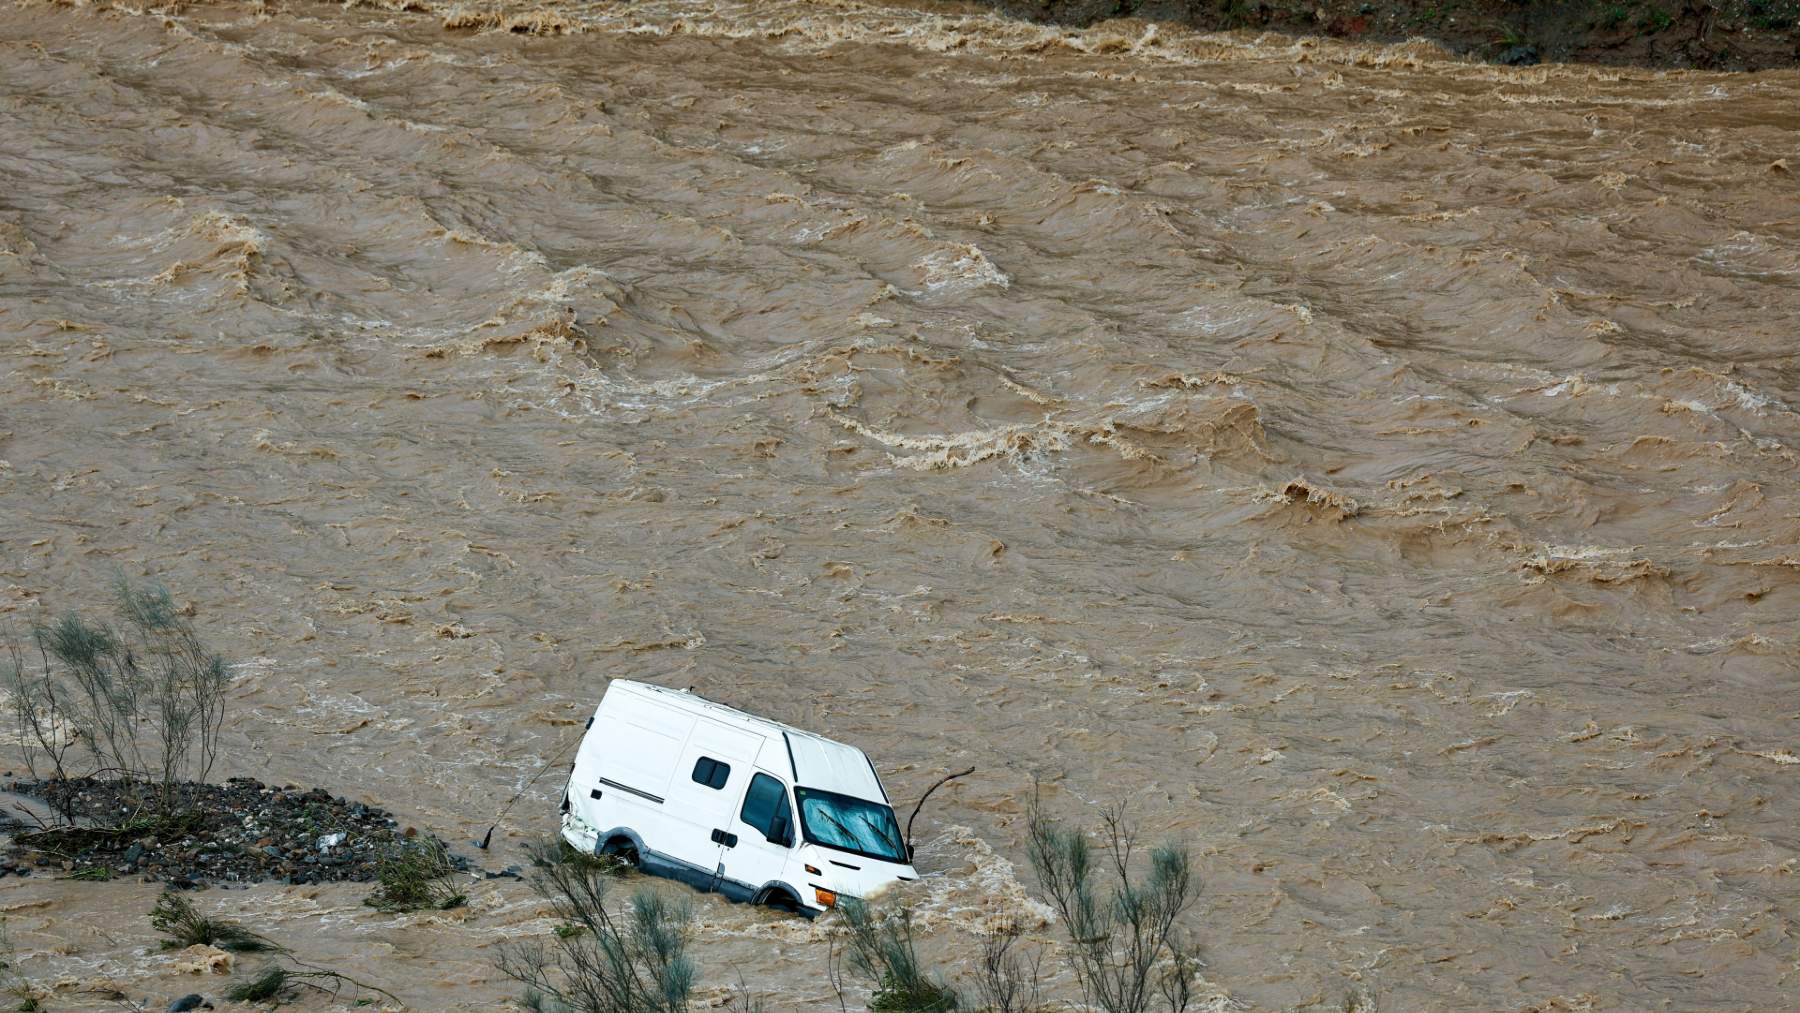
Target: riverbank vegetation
(1710,34)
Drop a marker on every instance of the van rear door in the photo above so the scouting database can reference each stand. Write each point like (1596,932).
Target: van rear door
(638,744)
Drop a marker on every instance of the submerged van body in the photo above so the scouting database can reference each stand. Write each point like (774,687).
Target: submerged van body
(730,802)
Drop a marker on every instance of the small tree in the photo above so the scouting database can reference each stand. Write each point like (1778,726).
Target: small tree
(599,961)
(1125,949)
(45,723)
(880,947)
(145,701)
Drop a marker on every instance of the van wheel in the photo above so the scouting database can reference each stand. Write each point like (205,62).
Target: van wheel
(782,901)
(622,849)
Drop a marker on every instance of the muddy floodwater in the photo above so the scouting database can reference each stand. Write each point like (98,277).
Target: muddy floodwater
(1378,469)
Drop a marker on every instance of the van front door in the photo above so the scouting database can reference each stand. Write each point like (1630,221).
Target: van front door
(765,836)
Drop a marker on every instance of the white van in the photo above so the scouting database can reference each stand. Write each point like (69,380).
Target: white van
(684,787)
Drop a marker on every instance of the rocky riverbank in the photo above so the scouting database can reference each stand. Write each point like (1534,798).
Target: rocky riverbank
(241,831)
(1711,34)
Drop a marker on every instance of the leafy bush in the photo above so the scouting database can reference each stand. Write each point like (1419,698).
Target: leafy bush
(144,701)
(880,947)
(414,875)
(634,961)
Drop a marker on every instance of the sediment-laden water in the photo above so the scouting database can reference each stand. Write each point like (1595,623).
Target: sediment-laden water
(1378,469)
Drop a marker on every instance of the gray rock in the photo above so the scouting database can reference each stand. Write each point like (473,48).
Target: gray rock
(188,1003)
(1520,56)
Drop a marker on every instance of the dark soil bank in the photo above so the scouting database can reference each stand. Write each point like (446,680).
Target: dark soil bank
(1712,34)
(239,831)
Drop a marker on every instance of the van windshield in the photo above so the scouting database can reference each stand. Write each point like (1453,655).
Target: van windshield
(850,824)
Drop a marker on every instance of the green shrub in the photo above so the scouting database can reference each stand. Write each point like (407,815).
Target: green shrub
(880,947)
(415,875)
(182,926)
(267,985)
(277,983)
(1125,947)
(634,961)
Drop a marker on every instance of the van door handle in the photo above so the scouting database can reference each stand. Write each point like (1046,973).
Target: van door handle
(721,837)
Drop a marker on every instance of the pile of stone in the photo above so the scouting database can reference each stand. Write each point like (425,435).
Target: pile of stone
(240,831)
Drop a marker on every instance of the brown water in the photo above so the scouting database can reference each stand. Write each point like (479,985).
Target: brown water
(1376,468)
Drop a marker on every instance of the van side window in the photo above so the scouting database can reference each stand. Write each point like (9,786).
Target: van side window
(711,772)
(766,807)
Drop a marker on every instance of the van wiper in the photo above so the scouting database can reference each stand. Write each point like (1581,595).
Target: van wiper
(880,834)
(840,825)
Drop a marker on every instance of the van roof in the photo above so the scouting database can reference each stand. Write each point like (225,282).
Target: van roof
(817,762)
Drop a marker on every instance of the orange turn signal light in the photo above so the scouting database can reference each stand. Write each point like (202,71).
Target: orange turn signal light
(825,897)
(814,870)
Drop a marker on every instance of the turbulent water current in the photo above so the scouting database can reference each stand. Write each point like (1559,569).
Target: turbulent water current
(1376,469)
